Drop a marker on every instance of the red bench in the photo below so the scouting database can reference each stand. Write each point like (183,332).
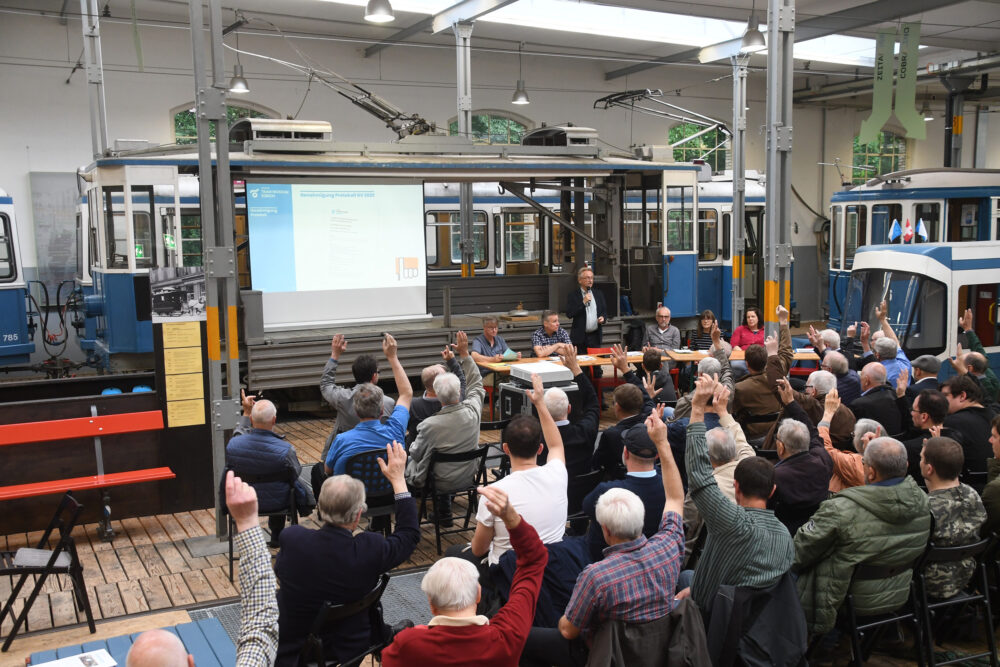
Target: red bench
(96,426)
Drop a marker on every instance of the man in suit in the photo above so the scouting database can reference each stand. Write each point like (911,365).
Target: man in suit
(925,372)
(877,400)
(333,564)
(588,310)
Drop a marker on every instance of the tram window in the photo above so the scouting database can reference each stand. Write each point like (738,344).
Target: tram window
(855,226)
(836,225)
(145,251)
(633,228)
(191,253)
(930,216)
(679,232)
(8,270)
(521,242)
(655,231)
(983,299)
(708,234)
(883,217)
(727,235)
(444,231)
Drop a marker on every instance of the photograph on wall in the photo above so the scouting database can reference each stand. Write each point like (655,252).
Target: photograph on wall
(178,294)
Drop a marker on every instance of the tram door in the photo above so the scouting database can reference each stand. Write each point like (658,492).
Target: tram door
(680,252)
(984,300)
(753,257)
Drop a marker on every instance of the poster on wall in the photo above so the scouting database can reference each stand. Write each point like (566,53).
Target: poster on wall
(178,294)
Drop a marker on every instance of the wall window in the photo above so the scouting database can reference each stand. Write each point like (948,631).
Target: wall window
(712,147)
(186,125)
(494,127)
(887,153)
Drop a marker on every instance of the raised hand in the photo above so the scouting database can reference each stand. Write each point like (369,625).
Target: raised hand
(389,346)
(785,392)
(241,499)
(882,310)
(716,336)
(462,343)
(902,381)
(936,430)
(966,321)
(338,346)
(247,402)
(832,402)
(771,345)
(704,388)
(814,339)
(656,429)
(499,505)
(537,392)
(782,314)
(720,399)
(447,353)
(866,332)
(650,387)
(568,356)
(619,358)
(958,362)
(852,330)
(394,465)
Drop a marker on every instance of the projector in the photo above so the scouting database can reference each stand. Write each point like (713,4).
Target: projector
(552,374)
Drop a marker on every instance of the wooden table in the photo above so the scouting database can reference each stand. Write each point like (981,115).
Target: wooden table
(737,355)
(585,361)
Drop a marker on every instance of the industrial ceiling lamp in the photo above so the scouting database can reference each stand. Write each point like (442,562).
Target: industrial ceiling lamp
(925,111)
(753,38)
(238,84)
(520,93)
(379,11)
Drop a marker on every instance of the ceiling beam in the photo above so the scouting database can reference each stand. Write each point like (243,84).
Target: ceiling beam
(466,10)
(397,37)
(845,20)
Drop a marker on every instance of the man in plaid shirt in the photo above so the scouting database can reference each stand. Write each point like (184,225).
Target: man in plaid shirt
(549,338)
(635,581)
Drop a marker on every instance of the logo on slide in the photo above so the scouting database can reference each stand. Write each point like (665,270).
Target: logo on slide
(407,268)
(254,192)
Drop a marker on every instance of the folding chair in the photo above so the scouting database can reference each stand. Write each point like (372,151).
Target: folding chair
(602,383)
(929,607)
(576,490)
(42,561)
(379,495)
(330,615)
(290,511)
(430,489)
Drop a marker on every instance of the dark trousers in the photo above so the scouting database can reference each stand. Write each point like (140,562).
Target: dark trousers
(275,523)
(547,646)
(593,339)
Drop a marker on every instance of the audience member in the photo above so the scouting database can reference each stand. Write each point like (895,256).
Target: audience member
(848,381)
(755,393)
(255,449)
(656,377)
(636,579)
(538,492)
(885,522)
(818,384)
(453,430)
(746,545)
(925,372)
(587,310)
(991,494)
(887,349)
(848,470)
(662,335)
(489,346)
(550,338)
(925,419)
(802,475)
(632,405)
(577,435)
(429,404)
(456,635)
(976,362)
(370,433)
(258,640)
(365,371)
(751,332)
(969,418)
(958,514)
(639,458)
(333,564)
(715,365)
(877,400)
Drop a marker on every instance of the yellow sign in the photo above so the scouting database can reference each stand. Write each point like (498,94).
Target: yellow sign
(181,334)
(185,413)
(185,386)
(182,360)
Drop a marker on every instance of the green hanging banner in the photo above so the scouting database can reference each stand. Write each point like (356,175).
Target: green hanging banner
(906,83)
(882,88)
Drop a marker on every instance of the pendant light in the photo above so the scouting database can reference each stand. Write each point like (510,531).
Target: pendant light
(520,93)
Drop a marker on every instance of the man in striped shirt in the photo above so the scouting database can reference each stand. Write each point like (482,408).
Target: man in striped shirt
(636,579)
(746,545)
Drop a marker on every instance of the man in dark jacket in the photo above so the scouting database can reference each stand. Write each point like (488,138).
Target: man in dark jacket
(588,311)
(632,406)
(802,476)
(255,449)
(818,385)
(968,416)
(877,400)
(333,564)
(925,372)
(848,382)
(578,434)
(928,412)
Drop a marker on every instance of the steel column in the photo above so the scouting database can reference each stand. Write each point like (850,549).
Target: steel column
(91,26)
(463,61)
(739,182)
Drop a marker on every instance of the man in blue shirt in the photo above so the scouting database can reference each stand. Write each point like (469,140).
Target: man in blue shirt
(370,433)
(887,349)
(490,346)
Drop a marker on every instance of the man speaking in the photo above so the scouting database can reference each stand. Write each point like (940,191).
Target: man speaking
(588,310)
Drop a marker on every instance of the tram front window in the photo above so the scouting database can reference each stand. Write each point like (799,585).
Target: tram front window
(917,307)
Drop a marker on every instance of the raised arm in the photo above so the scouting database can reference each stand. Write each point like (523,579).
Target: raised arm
(720,404)
(391,349)
(882,313)
(469,378)
(673,489)
(591,419)
(553,439)
(328,383)
(718,511)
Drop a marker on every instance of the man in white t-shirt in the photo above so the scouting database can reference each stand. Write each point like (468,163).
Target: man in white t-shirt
(538,493)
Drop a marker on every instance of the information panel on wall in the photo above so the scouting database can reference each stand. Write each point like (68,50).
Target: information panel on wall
(325,253)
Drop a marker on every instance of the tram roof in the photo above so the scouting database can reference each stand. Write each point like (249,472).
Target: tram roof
(954,256)
(937,183)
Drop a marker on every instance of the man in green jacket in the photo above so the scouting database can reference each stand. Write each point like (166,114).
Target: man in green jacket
(976,361)
(885,522)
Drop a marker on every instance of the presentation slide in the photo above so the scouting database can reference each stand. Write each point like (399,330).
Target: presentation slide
(324,253)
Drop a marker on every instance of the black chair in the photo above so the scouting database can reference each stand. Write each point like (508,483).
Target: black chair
(976,479)
(43,561)
(576,490)
(379,495)
(290,511)
(865,631)
(331,614)
(502,468)
(979,597)
(430,489)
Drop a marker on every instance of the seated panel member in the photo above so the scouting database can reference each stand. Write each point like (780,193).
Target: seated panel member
(550,338)
(489,346)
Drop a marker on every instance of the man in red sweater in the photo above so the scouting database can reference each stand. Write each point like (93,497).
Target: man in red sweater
(456,635)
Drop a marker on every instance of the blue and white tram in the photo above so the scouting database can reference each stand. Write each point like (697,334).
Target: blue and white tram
(15,339)
(909,208)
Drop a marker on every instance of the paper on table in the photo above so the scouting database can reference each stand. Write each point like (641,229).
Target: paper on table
(584,357)
(98,658)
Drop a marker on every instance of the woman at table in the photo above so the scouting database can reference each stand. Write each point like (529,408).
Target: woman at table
(750,332)
(702,339)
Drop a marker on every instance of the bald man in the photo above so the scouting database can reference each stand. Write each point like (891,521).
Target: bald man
(255,449)
(877,400)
